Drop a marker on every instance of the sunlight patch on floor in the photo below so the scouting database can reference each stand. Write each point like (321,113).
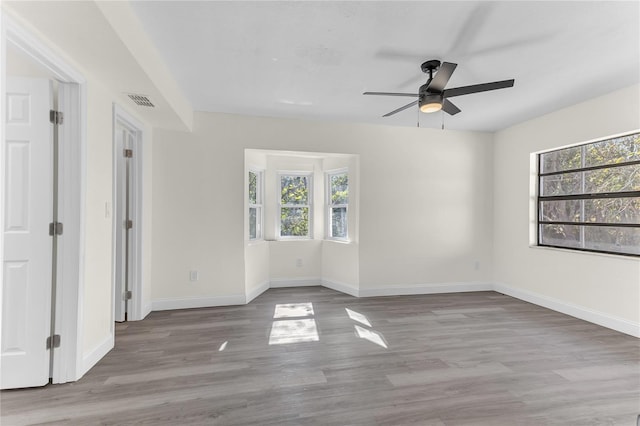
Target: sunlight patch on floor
(290,310)
(357,316)
(372,336)
(293,331)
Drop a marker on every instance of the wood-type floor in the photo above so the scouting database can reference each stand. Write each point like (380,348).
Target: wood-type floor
(331,359)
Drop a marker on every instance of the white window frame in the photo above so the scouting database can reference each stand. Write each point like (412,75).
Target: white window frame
(258,205)
(330,206)
(309,205)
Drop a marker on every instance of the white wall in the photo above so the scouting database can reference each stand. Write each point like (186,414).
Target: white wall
(198,216)
(98,306)
(284,256)
(425,203)
(341,266)
(426,207)
(591,285)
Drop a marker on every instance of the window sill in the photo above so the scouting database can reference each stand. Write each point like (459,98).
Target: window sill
(255,242)
(337,241)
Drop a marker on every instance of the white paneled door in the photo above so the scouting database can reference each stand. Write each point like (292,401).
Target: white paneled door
(27,263)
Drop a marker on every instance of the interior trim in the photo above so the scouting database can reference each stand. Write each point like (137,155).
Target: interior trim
(196,302)
(586,314)
(434,288)
(97,353)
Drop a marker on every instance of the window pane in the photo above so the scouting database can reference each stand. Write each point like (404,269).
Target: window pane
(253,228)
(605,210)
(610,151)
(560,235)
(613,151)
(563,159)
(617,179)
(565,184)
(339,222)
(618,240)
(253,188)
(560,211)
(613,210)
(339,188)
(294,221)
(294,190)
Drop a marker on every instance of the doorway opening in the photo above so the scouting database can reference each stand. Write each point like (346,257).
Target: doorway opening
(128,138)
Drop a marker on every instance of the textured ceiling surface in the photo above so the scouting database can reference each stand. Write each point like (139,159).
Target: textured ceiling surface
(313,60)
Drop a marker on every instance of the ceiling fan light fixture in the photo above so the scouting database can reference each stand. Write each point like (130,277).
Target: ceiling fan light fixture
(431,103)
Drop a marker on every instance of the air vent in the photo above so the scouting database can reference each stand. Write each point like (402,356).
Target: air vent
(141,100)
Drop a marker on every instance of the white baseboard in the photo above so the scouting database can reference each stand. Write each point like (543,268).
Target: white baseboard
(146,309)
(590,315)
(295,282)
(96,354)
(435,288)
(341,287)
(197,302)
(257,291)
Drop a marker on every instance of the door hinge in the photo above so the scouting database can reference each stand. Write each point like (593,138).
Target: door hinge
(55,228)
(53,343)
(128,153)
(56,117)
(127,295)
(128,224)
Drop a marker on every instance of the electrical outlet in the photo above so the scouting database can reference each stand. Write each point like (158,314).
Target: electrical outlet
(476,265)
(299,262)
(194,275)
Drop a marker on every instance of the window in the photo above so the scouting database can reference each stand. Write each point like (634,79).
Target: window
(589,196)
(295,205)
(255,205)
(337,204)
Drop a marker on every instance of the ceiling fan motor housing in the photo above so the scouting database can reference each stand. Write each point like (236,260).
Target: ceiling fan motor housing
(426,97)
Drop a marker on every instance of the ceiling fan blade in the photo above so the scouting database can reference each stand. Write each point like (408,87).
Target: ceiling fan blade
(449,107)
(475,21)
(442,77)
(476,88)
(402,108)
(414,95)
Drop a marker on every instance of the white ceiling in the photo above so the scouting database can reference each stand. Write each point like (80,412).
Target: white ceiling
(314,59)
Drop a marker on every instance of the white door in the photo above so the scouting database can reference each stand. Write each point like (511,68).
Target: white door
(26,291)
(124,220)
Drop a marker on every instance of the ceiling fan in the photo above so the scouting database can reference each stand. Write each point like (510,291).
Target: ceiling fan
(432,96)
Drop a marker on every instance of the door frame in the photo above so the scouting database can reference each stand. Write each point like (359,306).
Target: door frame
(68,363)
(122,117)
